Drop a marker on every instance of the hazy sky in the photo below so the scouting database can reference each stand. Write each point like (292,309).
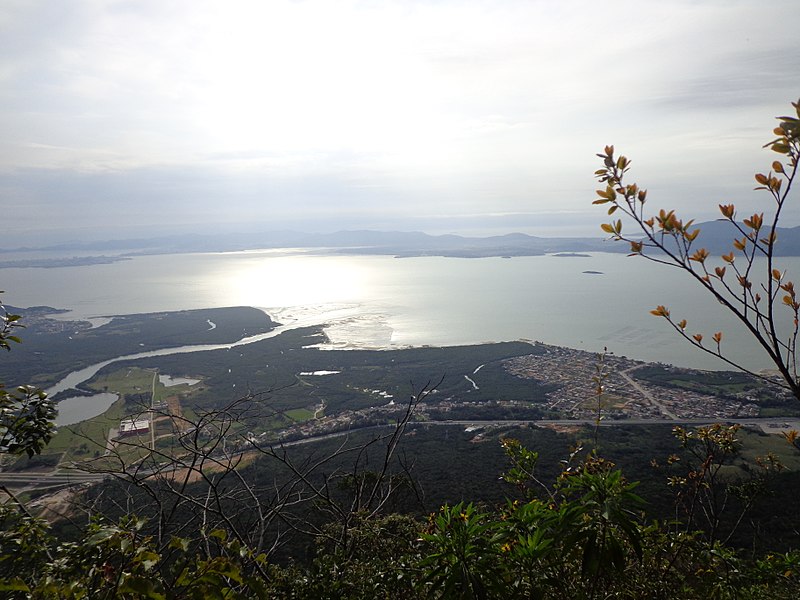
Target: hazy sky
(123,118)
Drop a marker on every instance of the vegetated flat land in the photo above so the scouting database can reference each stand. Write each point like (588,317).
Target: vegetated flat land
(128,381)
(52,348)
(299,414)
(512,381)
(502,381)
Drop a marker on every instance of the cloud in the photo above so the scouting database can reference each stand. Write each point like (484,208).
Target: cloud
(392,109)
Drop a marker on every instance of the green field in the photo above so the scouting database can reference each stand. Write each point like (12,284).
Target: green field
(300,414)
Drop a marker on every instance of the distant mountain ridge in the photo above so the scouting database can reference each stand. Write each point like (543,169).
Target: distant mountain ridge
(399,243)
(716,236)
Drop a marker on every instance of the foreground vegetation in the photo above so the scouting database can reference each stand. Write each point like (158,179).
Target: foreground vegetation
(581,534)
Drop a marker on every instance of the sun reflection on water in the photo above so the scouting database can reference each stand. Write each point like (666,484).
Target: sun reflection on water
(266,281)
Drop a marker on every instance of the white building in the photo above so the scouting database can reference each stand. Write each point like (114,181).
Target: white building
(133,427)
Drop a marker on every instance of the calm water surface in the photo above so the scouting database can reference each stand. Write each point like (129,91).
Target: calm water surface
(78,408)
(382,302)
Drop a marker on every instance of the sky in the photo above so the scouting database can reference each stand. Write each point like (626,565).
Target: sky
(136,118)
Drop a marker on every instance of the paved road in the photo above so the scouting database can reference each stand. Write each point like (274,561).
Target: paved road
(635,385)
(73,477)
(43,480)
(749,421)
(152,412)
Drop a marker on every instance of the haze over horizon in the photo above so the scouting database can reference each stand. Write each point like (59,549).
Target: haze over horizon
(126,119)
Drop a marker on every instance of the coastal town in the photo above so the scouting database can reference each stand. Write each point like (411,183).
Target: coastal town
(583,386)
(588,383)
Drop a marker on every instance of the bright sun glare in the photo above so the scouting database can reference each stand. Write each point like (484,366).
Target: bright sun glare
(292,281)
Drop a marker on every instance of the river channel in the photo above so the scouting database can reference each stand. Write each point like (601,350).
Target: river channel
(79,408)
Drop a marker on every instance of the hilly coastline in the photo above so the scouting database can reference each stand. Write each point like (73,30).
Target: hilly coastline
(715,236)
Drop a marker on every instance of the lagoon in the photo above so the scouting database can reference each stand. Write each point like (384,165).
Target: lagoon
(78,408)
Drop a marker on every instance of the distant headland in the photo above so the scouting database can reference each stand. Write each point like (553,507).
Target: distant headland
(716,237)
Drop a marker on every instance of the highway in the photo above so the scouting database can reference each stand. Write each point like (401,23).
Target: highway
(64,477)
(52,479)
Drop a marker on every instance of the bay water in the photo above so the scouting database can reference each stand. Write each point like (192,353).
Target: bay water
(584,302)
